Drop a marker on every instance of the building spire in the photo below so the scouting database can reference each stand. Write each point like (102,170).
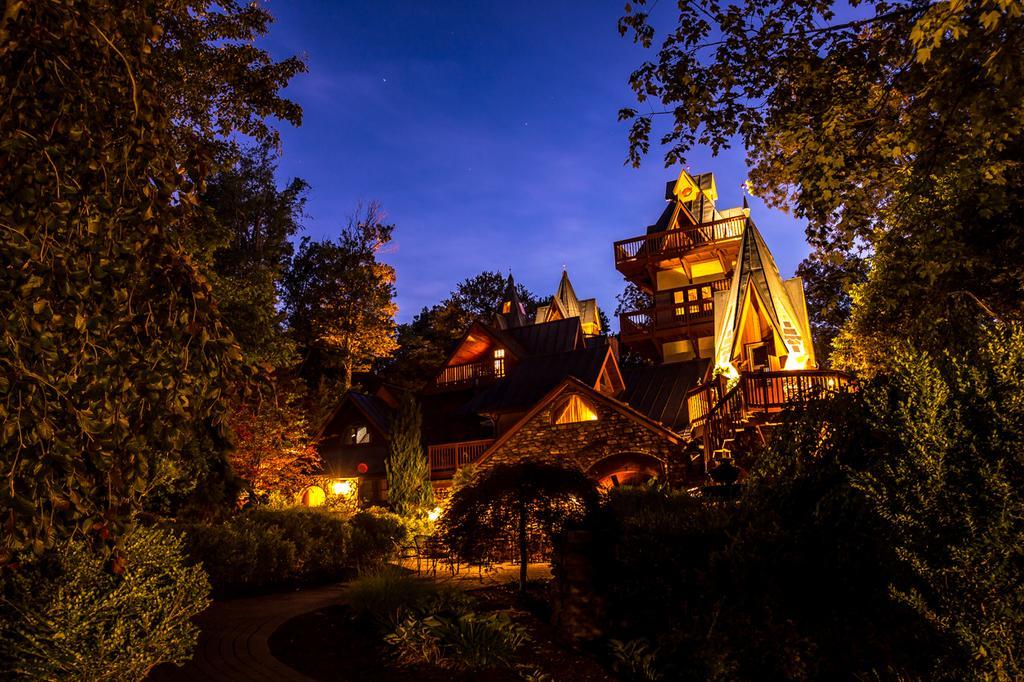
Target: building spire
(513,312)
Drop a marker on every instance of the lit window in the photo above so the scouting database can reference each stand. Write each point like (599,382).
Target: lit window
(499,362)
(506,307)
(575,410)
(358,435)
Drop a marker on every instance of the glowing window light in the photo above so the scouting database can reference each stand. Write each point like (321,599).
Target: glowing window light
(576,410)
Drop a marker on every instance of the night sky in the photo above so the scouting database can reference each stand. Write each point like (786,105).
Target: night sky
(488,132)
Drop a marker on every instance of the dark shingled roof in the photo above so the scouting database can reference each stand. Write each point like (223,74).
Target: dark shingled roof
(548,337)
(660,391)
(378,411)
(535,376)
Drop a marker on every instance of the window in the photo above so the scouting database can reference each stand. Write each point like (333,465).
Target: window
(757,356)
(499,362)
(358,435)
(574,410)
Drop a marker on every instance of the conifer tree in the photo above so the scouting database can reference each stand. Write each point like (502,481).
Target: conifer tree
(408,473)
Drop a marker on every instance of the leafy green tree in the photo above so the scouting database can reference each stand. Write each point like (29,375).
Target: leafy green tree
(829,278)
(113,352)
(899,133)
(424,343)
(253,222)
(340,302)
(507,501)
(217,81)
(406,466)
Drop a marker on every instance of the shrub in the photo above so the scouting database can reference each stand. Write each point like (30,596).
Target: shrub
(67,617)
(265,549)
(376,536)
(635,660)
(387,598)
(470,641)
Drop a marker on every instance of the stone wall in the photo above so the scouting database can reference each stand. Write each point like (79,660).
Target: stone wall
(584,444)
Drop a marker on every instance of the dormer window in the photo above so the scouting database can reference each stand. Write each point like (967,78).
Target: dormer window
(499,362)
(575,410)
(358,435)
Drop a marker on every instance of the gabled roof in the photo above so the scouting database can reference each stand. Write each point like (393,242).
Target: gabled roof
(573,384)
(660,391)
(537,375)
(757,274)
(376,411)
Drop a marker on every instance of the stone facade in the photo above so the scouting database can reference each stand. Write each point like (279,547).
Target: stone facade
(586,444)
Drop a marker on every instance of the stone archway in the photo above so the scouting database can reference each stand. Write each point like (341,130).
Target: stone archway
(626,468)
(313,496)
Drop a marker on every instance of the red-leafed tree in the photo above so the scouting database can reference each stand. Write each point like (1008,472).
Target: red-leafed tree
(274,443)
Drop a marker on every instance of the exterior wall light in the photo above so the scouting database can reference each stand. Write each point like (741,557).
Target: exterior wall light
(343,487)
(434,514)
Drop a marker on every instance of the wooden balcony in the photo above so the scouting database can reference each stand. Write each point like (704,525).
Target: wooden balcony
(447,457)
(633,255)
(470,373)
(717,413)
(693,315)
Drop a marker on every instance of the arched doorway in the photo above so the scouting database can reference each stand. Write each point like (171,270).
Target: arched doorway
(313,496)
(626,468)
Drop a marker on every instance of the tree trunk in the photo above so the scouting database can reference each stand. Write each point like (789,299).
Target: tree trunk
(523,555)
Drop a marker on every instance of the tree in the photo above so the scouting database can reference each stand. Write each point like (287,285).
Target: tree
(515,498)
(340,301)
(406,467)
(424,343)
(899,133)
(113,352)
(829,278)
(252,224)
(218,82)
(274,441)
(632,299)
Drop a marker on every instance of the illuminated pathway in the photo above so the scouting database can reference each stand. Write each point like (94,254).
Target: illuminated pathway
(233,642)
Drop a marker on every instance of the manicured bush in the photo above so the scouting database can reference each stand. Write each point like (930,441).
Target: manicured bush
(265,549)
(68,616)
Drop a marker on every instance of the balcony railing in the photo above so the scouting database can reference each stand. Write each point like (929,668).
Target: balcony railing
(695,306)
(673,243)
(450,456)
(470,372)
(719,411)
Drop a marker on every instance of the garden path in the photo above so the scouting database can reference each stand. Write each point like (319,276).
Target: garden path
(234,634)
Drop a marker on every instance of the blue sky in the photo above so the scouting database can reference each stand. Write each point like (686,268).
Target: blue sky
(488,132)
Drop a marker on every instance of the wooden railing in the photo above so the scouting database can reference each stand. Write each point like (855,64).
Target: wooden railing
(673,242)
(670,315)
(756,393)
(469,372)
(451,456)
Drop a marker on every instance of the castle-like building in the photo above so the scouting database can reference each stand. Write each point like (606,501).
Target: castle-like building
(727,341)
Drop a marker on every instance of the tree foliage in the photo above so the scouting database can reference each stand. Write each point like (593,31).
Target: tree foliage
(340,301)
(273,439)
(504,502)
(113,351)
(406,466)
(899,133)
(249,250)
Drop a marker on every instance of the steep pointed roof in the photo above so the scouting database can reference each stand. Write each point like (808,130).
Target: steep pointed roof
(566,295)
(757,274)
(513,312)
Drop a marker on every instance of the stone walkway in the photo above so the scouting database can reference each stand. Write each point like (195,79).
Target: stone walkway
(234,634)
